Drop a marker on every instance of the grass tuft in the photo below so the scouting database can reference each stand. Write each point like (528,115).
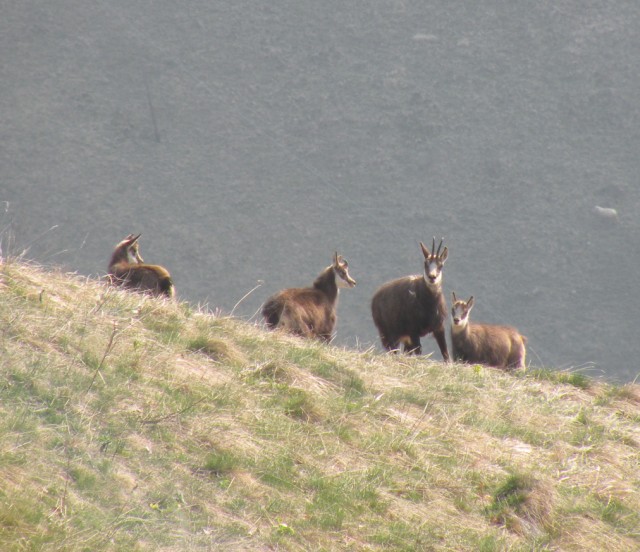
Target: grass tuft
(220,462)
(577,379)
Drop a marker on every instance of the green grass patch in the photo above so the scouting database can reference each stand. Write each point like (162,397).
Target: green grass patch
(221,462)
(217,349)
(577,379)
(168,329)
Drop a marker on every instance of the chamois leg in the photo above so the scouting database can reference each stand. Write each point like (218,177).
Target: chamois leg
(518,361)
(442,343)
(412,345)
(272,311)
(389,344)
(523,358)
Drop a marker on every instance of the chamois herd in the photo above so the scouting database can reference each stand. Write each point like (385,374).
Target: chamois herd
(403,310)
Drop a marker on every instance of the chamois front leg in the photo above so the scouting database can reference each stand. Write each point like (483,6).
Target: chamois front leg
(413,345)
(442,343)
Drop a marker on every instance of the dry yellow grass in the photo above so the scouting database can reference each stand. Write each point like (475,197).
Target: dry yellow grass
(131,423)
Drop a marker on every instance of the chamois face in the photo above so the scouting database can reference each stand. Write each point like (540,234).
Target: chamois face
(133,254)
(127,250)
(433,264)
(341,269)
(460,313)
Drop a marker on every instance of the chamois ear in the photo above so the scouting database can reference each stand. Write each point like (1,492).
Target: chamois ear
(444,255)
(131,239)
(470,302)
(425,251)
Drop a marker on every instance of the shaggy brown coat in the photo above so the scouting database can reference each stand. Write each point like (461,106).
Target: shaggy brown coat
(406,309)
(489,344)
(128,270)
(311,311)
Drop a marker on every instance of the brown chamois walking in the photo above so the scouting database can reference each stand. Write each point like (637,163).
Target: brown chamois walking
(498,346)
(406,309)
(128,269)
(311,311)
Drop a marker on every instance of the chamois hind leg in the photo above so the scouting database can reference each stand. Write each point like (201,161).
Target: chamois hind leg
(517,358)
(293,321)
(272,312)
(391,345)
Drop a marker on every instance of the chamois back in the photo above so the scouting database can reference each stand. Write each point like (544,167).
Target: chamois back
(128,270)
(475,343)
(311,311)
(406,309)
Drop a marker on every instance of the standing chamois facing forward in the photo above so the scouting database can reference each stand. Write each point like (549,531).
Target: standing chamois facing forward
(406,309)
(311,311)
(498,346)
(128,270)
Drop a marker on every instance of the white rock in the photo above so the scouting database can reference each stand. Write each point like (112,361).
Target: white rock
(606,212)
(423,37)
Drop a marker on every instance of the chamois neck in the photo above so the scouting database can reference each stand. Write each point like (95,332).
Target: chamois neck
(326,283)
(434,288)
(119,256)
(457,329)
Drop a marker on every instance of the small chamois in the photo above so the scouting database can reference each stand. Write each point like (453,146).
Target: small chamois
(406,309)
(128,270)
(498,346)
(310,311)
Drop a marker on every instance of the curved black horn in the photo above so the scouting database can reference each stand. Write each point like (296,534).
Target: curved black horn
(433,246)
(439,246)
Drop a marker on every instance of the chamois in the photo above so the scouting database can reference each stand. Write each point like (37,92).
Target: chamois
(128,269)
(406,309)
(498,346)
(310,311)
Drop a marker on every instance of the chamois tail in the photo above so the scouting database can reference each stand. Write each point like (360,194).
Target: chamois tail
(166,287)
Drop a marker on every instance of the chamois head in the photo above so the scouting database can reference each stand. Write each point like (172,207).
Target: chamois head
(127,251)
(460,312)
(341,269)
(433,263)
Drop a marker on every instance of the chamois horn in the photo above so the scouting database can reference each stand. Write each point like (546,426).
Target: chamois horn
(433,249)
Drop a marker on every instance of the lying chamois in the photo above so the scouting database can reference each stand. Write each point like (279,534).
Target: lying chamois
(406,309)
(498,346)
(128,269)
(310,311)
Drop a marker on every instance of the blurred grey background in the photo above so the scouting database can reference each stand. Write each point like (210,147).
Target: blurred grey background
(248,140)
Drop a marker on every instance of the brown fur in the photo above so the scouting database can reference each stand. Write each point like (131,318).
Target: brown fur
(311,311)
(128,270)
(474,343)
(406,309)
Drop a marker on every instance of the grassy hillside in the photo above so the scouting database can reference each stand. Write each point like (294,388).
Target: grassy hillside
(129,423)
